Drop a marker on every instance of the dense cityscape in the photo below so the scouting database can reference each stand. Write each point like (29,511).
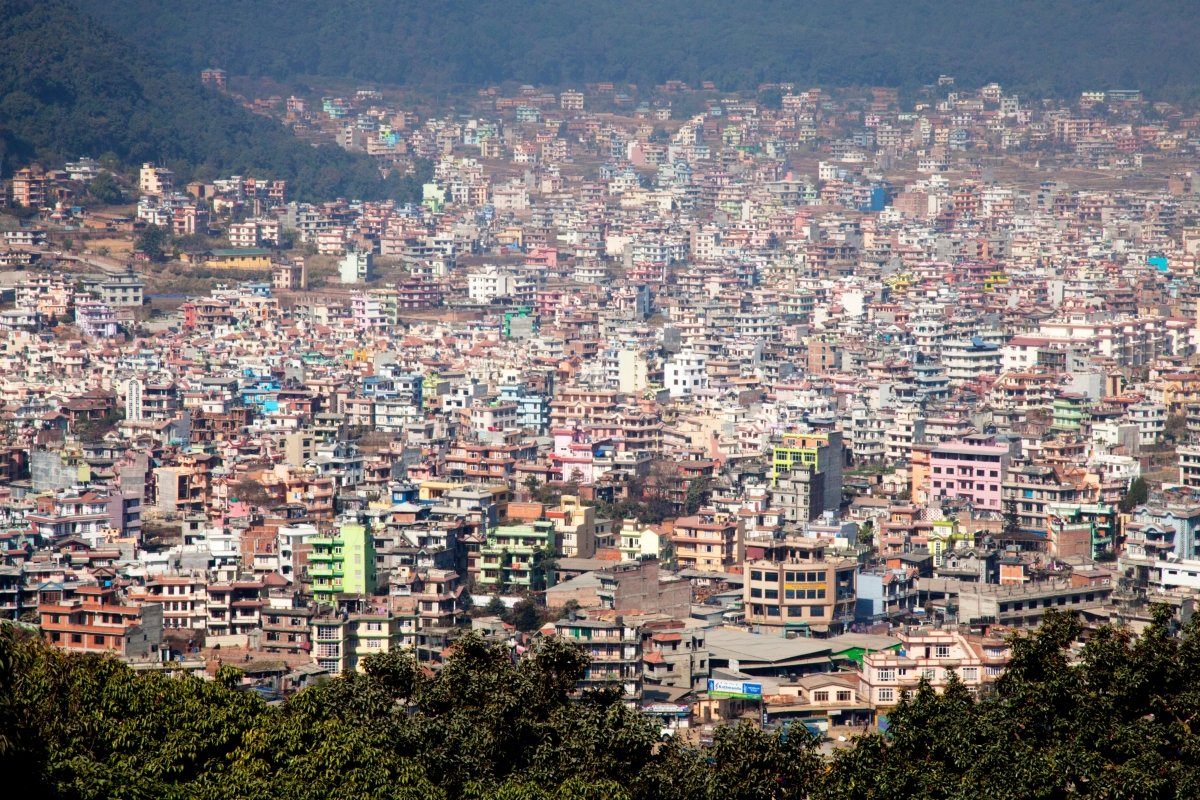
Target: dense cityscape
(648,441)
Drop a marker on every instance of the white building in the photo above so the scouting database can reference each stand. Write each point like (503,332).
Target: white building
(686,373)
(357,267)
(966,360)
(490,283)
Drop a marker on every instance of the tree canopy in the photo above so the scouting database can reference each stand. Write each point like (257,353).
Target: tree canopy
(70,87)
(1116,718)
(1056,46)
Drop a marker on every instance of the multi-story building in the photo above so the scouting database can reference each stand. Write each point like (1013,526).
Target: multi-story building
(934,656)
(615,650)
(797,586)
(1189,465)
(156,181)
(819,453)
(576,524)
(29,187)
(341,641)
(674,654)
(966,361)
(510,554)
(184,600)
(286,629)
(92,619)
(708,541)
(685,374)
(87,515)
(342,564)
(1016,605)
(972,469)
(235,607)
(1159,531)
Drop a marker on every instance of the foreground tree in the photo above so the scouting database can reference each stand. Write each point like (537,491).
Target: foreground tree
(1117,717)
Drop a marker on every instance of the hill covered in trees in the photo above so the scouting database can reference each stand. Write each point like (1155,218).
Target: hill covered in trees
(1120,720)
(1050,45)
(70,87)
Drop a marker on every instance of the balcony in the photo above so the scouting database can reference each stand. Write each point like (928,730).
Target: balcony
(327,571)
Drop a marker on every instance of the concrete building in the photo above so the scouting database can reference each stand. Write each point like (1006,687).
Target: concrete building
(615,650)
(91,619)
(973,470)
(933,656)
(343,564)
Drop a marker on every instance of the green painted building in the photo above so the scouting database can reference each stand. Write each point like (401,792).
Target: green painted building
(1068,412)
(506,559)
(342,564)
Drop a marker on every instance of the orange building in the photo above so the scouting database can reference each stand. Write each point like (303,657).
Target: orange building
(91,619)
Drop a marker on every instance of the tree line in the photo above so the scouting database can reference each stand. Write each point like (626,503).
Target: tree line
(70,87)
(1049,46)
(1114,718)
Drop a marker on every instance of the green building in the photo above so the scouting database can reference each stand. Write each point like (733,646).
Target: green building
(818,452)
(342,564)
(1068,412)
(1102,518)
(507,558)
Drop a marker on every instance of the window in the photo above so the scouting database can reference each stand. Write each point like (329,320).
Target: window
(970,673)
(328,665)
(843,696)
(885,675)
(928,674)
(942,651)
(820,697)
(98,639)
(771,594)
(993,672)
(755,592)
(373,644)
(887,695)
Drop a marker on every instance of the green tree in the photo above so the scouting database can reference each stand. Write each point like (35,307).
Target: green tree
(531,484)
(105,190)
(152,241)
(771,98)
(1137,494)
(544,565)
(495,607)
(1113,717)
(525,616)
(699,491)
(866,533)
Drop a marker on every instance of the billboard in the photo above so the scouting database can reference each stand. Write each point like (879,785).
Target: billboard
(739,689)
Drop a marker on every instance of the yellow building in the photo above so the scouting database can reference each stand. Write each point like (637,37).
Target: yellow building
(240,258)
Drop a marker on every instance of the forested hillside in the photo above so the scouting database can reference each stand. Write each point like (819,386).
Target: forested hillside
(1052,45)
(1118,721)
(70,87)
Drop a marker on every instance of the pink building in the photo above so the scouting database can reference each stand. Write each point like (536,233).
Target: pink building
(973,469)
